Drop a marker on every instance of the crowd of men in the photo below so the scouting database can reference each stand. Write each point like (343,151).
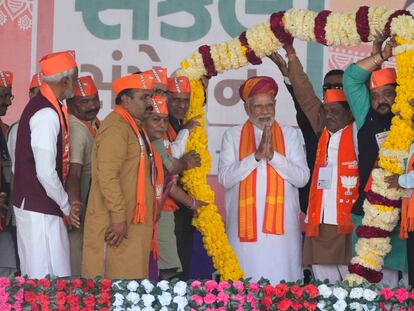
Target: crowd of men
(84,197)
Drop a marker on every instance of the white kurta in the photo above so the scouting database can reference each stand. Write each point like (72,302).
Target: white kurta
(275,257)
(42,239)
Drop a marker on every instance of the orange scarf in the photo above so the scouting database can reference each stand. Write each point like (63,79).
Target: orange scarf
(274,209)
(92,129)
(170,205)
(158,183)
(347,168)
(407,208)
(62,111)
(141,208)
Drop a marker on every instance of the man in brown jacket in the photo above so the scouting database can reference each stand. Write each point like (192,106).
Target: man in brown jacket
(119,224)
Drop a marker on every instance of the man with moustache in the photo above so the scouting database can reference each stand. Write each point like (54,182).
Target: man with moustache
(119,218)
(371,107)
(262,165)
(7,227)
(42,164)
(83,109)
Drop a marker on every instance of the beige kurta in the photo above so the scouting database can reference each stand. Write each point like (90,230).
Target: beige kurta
(81,144)
(115,160)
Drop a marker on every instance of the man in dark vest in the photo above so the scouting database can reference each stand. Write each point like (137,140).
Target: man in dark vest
(371,106)
(42,163)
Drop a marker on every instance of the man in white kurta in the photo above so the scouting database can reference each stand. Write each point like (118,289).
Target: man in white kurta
(275,257)
(41,165)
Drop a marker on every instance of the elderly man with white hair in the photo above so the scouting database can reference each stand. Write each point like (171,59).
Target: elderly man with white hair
(262,165)
(42,163)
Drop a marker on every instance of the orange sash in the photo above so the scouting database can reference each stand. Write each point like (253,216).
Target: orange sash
(141,208)
(158,183)
(407,208)
(62,111)
(169,204)
(274,210)
(92,129)
(348,178)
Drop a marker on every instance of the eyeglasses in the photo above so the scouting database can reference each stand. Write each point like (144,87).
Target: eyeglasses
(329,86)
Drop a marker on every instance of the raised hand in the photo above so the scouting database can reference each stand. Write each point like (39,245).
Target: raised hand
(191,159)
(269,143)
(280,63)
(261,150)
(192,123)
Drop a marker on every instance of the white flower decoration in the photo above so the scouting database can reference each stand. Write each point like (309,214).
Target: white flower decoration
(134,308)
(355,306)
(164,285)
(148,299)
(340,305)
(180,288)
(119,300)
(321,305)
(356,293)
(340,293)
(133,286)
(324,290)
(165,299)
(147,286)
(181,302)
(369,294)
(133,297)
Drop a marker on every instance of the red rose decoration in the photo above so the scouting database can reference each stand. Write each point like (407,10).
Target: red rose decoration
(311,290)
(281,290)
(267,302)
(29,296)
(106,283)
(61,284)
(31,283)
(296,290)
(89,301)
(45,283)
(269,290)
(43,300)
(284,305)
(73,300)
(90,283)
(60,298)
(77,283)
(296,306)
(310,306)
(105,299)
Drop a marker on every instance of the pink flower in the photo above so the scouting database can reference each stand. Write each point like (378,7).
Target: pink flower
(387,293)
(239,298)
(210,285)
(4,282)
(221,309)
(239,285)
(223,297)
(401,294)
(4,297)
(210,298)
(197,299)
(240,308)
(20,280)
(5,307)
(195,284)
(223,285)
(254,287)
(251,300)
(411,296)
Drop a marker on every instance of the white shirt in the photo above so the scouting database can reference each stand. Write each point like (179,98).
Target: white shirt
(45,127)
(11,142)
(179,144)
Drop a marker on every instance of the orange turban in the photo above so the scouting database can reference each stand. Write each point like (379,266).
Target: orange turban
(157,75)
(159,105)
(134,81)
(179,85)
(6,78)
(58,62)
(85,86)
(382,77)
(36,80)
(334,96)
(258,85)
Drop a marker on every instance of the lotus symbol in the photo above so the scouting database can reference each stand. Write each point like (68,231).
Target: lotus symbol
(349,182)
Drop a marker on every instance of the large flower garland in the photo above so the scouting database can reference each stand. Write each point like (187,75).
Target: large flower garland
(328,28)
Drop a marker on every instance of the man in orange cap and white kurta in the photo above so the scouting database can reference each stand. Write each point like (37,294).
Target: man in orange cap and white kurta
(42,164)
(7,224)
(262,165)
(333,191)
(119,216)
(83,109)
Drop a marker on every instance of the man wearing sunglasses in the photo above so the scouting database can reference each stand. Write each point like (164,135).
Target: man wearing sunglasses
(371,107)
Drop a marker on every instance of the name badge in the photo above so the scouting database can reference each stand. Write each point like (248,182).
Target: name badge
(380,137)
(325,177)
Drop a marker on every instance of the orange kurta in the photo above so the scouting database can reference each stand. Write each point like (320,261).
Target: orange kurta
(112,198)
